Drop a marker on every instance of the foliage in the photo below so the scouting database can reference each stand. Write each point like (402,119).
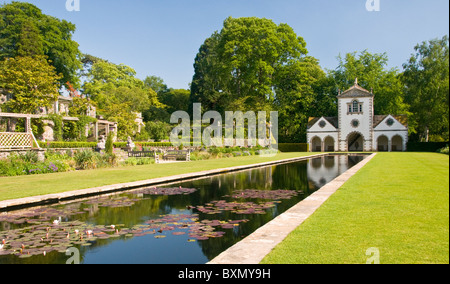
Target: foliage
(119,95)
(296,92)
(426,79)
(67,145)
(236,69)
(444,150)
(413,146)
(58,128)
(293,147)
(158,130)
(109,147)
(372,74)
(88,159)
(31,81)
(26,31)
(28,164)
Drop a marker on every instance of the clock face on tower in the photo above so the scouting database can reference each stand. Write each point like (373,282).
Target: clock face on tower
(355,123)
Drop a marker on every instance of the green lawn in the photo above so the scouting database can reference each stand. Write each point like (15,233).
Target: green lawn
(398,203)
(25,186)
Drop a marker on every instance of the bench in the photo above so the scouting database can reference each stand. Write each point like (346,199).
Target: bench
(177,155)
(141,154)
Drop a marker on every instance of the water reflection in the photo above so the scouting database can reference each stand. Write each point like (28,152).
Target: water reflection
(132,210)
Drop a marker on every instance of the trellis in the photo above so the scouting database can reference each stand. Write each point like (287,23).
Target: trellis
(18,140)
(11,140)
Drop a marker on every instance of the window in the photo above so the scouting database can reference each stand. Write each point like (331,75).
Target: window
(355,106)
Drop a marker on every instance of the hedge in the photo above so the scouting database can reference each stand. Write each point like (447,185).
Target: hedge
(425,146)
(293,147)
(65,145)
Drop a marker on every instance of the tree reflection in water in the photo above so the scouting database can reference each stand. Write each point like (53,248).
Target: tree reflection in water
(136,215)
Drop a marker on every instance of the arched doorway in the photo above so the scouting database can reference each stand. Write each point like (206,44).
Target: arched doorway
(397,143)
(316,144)
(329,144)
(355,142)
(383,144)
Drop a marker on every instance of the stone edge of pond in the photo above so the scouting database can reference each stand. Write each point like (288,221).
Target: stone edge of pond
(256,246)
(14,204)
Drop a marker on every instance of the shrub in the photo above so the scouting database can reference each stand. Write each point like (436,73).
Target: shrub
(109,147)
(293,147)
(85,160)
(444,150)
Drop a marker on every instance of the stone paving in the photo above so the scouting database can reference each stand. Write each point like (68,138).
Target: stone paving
(256,246)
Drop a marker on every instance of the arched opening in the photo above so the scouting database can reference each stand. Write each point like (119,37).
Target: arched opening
(383,144)
(329,144)
(355,142)
(397,143)
(316,144)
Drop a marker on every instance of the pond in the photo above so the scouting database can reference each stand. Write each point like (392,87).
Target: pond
(187,222)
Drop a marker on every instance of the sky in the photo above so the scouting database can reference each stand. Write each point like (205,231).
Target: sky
(162,37)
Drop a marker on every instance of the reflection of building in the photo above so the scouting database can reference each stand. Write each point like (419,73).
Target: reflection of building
(357,128)
(326,168)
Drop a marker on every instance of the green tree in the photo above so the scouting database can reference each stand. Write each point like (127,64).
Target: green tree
(372,74)
(426,78)
(32,82)
(26,31)
(118,93)
(30,41)
(296,92)
(236,68)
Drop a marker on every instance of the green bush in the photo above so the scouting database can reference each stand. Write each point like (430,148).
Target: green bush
(293,147)
(27,164)
(139,161)
(444,150)
(66,145)
(425,146)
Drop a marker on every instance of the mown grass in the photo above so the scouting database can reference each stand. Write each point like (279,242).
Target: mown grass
(398,203)
(25,186)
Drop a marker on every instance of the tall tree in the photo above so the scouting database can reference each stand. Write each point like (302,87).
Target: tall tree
(31,81)
(372,74)
(26,31)
(296,92)
(426,77)
(118,94)
(236,68)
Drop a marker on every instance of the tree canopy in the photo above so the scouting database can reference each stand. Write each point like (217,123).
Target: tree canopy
(251,64)
(426,81)
(31,81)
(236,68)
(26,31)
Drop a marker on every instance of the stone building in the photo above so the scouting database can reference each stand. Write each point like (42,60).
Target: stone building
(357,128)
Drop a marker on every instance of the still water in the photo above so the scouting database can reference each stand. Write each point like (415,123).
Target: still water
(187,223)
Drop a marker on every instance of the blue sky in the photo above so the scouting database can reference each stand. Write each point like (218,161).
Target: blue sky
(162,37)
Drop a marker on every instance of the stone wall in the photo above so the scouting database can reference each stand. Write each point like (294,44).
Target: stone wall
(4,154)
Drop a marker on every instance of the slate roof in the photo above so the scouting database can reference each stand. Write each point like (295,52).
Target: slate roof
(356,91)
(334,120)
(403,119)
